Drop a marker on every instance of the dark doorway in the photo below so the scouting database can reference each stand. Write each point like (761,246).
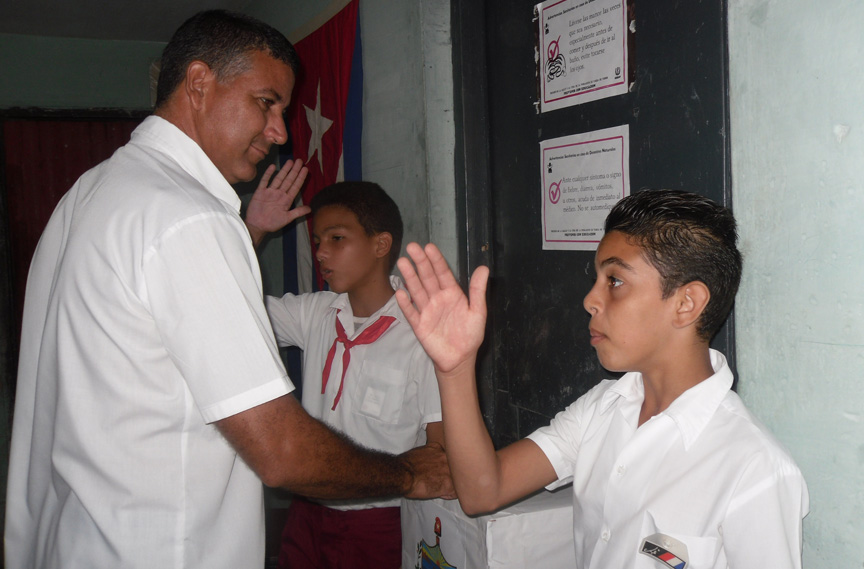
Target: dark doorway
(537,357)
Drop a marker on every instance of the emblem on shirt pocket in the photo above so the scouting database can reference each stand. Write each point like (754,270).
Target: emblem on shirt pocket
(667,550)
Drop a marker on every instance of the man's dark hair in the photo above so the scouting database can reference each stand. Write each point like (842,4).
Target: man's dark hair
(223,40)
(375,210)
(686,237)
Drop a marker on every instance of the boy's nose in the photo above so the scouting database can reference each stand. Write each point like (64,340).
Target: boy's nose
(590,302)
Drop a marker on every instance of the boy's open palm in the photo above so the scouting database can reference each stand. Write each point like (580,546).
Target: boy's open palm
(449,327)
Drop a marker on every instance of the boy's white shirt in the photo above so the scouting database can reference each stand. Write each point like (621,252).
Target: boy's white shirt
(390,391)
(704,472)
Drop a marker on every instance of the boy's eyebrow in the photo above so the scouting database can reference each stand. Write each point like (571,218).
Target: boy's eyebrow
(330,228)
(615,261)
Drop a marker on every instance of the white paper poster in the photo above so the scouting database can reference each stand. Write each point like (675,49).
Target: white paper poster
(583,176)
(583,51)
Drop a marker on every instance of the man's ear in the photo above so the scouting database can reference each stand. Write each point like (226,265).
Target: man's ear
(691,300)
(383,243)
(198,76)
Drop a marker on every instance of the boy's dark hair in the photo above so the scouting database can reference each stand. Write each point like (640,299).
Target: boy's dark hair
(223,40)
(375,210)
(686,237)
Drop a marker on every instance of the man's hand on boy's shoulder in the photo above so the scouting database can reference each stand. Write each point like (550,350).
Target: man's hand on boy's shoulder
(430,473)
(448,325)
(272,205)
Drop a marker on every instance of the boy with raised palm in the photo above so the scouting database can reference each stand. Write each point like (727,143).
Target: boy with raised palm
(669,468)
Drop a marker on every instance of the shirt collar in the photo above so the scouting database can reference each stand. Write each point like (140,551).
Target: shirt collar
(390,308)
(165,137)
(692,410)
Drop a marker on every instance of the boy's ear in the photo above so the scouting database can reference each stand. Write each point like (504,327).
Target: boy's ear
(383,243)
(692,298)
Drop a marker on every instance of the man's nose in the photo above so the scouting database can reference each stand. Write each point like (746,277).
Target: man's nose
(277,132)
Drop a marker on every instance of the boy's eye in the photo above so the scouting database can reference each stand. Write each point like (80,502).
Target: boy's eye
(615,282)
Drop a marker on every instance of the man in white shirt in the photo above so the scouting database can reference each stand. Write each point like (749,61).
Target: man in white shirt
(151,398)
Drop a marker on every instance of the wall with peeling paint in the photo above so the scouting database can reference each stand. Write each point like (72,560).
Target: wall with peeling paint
(796,91)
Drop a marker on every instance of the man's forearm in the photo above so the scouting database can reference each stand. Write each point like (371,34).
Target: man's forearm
(337,468)
(288,448)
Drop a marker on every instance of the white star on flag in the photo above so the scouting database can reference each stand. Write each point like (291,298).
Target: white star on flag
(318,124)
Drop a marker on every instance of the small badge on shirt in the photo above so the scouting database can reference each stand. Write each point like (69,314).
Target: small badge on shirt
(666,550)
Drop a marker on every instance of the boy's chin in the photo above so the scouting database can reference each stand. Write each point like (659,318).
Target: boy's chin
(613,366)
(335,288)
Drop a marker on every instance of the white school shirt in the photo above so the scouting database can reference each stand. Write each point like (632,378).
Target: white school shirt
(704,472)
(144,323)
(390,392)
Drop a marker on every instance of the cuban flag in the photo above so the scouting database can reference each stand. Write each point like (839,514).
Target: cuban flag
(325,122)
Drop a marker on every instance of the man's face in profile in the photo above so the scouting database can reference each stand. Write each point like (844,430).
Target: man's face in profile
(243,116)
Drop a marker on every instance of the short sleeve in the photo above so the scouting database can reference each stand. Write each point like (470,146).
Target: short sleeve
(429,399)
(763,527)
(561,439)
(285,317)
(203,289)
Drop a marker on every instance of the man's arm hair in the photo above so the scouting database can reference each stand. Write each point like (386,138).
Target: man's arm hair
(288,448)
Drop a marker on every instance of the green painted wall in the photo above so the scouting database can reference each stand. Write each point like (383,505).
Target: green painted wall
(61,73)
(797,146)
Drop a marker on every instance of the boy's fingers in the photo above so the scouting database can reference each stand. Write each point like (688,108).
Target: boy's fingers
(439,265)
(477,289)
(408,309)
(412,282)
(424,268)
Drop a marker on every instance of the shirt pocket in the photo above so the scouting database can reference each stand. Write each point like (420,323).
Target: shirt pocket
(703,552)
(380,392)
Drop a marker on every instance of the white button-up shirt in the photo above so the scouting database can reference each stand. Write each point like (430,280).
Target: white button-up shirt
(390,392)
(703,472)
(144,322)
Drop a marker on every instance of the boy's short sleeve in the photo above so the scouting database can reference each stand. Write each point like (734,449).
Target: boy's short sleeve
(561,440)
(772,491)
(429,399)
(285,315)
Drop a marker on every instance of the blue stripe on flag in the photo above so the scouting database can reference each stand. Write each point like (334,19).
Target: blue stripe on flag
(354,115)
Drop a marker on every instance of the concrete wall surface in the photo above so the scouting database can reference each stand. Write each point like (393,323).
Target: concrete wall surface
(797,141)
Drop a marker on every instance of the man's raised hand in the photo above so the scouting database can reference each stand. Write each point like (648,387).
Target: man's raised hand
(272,205)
